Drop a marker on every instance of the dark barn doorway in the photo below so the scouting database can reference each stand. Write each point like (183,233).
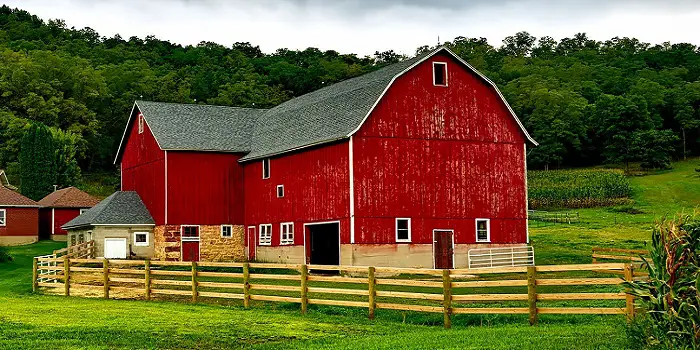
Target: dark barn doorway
(323,244)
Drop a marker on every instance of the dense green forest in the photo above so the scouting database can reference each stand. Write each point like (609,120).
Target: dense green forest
(587,102)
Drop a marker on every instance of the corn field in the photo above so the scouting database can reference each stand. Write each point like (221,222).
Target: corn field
(577,188)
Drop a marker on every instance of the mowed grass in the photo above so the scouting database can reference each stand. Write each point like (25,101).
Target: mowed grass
(35,321)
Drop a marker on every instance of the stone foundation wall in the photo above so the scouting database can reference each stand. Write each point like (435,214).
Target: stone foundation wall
(166,243)
(212,247)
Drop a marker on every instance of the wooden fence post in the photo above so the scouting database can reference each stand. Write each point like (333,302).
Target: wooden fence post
(629,299)
(532,294)
(447,297)
(147,282)
(105,269)
(195,284)
(371,282)
(246,285)
(66,275)
(304,288)
(35,275)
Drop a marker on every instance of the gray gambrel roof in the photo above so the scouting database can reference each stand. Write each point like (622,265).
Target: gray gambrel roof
(325,115)
(120,208)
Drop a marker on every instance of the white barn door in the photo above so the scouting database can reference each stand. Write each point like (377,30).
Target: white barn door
(115,248)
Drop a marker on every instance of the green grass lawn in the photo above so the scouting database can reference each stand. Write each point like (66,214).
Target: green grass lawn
(34,321)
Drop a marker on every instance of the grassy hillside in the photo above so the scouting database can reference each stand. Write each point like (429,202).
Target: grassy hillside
(654,196)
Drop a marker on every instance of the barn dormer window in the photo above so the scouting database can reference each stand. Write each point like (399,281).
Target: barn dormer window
(266,168)
(140,118)
(439,73)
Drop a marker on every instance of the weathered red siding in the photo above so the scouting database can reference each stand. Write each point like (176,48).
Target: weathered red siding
(204,188)
(442,156)
(316,188)
(62,216)
(143,168)
(21,222)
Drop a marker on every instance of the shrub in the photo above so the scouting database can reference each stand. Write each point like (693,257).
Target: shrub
(5,254)
(670,299)
(583,188)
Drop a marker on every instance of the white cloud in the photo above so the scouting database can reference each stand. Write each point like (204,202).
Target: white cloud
(366,26)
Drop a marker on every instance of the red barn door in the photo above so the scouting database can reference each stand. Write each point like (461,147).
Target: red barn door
(252,243)
(190,243)
(443,249)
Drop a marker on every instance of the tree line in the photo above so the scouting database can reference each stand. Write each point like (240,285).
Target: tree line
(585,101)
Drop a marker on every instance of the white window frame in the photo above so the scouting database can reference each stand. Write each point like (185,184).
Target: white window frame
(277,192)
(289,240)
(266,166)
(83,211)
(265,235)
(488,230)
(436,63)
(89,236)
(140,121)
(230,227)
(4,217)
(141,244)
(396,230)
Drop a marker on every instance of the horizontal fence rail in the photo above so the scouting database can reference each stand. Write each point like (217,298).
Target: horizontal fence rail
(508,290)
(633,256)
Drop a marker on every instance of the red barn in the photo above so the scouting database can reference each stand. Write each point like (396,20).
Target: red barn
(410,165)
(59,207)
(19,218)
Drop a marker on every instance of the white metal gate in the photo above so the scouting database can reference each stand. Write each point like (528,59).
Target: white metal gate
(501,257)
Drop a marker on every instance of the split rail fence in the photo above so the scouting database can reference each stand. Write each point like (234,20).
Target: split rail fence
(632,256)
(529,290)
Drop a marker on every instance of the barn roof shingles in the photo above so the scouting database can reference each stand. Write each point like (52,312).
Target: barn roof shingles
(10,198)
(200,127)
(325,115)
(69,197)
(120,208)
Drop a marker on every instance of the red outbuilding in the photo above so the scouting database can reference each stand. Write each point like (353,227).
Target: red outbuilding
(19,218)
(62,206)
(413,164)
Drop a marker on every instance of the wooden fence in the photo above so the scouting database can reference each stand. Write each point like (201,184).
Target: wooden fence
(632,256)
(46,263)
(450,292)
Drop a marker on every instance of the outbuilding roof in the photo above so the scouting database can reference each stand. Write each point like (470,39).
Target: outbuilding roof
(10,198)
(120,208)
(69,197)
(332,113)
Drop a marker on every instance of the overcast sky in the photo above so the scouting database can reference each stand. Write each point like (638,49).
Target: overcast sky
(366,26)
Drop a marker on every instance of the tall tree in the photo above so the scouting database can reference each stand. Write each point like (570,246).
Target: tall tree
(37,162)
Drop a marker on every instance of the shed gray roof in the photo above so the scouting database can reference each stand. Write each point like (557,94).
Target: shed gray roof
(120,208)
(332,113)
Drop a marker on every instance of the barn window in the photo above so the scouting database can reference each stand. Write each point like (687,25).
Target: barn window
(265,237)
(3,217)
(403,230)
(141,239)
(280,191)
(226,231)
(83,211)
(483,230)
(266,168)
(287,233)
(439,73)
(190,231)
